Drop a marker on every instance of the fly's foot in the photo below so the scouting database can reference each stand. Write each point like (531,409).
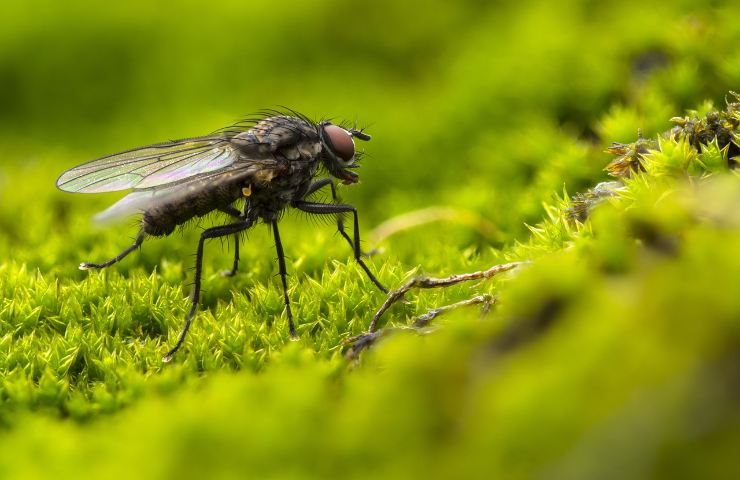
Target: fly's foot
(89,266)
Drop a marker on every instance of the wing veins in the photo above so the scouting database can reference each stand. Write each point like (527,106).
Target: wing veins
(175,161)
(90,176)
(139,158)
(145,176)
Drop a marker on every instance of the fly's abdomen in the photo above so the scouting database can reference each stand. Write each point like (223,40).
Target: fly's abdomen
(195,199)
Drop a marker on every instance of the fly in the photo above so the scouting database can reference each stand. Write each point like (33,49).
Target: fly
(264,165)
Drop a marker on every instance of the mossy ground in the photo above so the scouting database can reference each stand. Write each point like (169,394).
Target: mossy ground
(613,354)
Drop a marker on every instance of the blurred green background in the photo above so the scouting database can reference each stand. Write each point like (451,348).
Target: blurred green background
(468,101)
(489,109)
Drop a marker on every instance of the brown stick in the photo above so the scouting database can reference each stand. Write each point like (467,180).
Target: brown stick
(485,299)
(431,282)
(360,342)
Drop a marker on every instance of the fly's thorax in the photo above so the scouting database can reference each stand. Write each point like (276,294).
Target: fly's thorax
(281,130)
(280,138)
(289,150)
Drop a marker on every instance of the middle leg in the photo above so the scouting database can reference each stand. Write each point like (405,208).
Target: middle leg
(283,275)
(215,232)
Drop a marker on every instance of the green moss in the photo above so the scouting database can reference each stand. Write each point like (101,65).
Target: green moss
(612,354)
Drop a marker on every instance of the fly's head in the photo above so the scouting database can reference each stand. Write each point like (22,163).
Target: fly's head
(338,150)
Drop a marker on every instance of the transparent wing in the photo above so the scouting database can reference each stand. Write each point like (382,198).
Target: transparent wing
(150,166)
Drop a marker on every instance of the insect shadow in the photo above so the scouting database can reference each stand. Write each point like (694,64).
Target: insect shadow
(264,164)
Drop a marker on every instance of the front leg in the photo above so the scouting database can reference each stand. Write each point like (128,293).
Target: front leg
(338,208)
(318,185)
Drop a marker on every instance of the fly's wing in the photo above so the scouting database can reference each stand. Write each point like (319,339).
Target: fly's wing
(169,172)
(151,166)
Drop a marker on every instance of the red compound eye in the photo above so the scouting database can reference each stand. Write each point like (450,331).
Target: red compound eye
(340,141)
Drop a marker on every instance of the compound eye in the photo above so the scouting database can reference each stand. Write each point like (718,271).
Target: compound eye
(340,141)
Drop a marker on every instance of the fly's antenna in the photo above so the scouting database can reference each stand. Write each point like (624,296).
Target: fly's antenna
(359,134)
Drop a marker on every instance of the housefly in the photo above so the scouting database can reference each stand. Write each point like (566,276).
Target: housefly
(251,171)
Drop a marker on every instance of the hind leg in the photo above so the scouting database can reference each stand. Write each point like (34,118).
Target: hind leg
(137,243)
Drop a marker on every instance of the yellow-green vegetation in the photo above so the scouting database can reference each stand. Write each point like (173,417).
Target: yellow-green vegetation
(596,141)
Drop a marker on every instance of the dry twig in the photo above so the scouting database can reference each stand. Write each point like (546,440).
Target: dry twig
(365,340)
(431,282)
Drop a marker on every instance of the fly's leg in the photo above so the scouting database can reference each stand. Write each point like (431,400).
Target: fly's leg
(215,232)
(321,183)
(236,214)
(339,208)
(283,275)
(137,243)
